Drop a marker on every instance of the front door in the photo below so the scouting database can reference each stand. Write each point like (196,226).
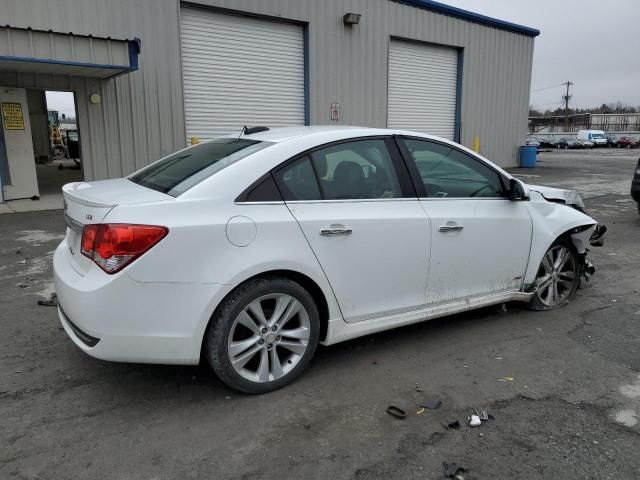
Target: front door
(480,240)
(358,211)
(19,180)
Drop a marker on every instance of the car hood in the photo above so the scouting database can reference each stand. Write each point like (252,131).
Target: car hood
(570,197)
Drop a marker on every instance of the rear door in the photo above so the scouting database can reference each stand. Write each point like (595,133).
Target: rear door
(359,213)
(480,240)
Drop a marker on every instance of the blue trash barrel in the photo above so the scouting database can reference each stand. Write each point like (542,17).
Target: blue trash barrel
(528,156)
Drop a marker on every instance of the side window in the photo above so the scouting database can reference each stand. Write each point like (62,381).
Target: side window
(297,181)
(447,172)
(361,169)
(264,190)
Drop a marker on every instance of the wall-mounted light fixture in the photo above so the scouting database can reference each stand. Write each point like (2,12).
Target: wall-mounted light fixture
(351,18)
(95,98)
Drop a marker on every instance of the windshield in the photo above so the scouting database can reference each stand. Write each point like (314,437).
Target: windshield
(177,173)
(597,135)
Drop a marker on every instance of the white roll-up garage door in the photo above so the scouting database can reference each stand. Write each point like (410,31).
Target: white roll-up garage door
(422,88)
(240,71)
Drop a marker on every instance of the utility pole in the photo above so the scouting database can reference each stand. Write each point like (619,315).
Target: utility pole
(566,106)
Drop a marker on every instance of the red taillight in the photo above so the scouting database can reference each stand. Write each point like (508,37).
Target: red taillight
(112,246)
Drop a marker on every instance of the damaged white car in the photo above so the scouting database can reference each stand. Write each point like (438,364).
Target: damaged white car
(247,251)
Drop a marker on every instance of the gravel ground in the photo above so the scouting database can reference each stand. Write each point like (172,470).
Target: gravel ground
(563,386)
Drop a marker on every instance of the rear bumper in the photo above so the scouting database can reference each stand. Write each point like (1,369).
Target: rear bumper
(113,317)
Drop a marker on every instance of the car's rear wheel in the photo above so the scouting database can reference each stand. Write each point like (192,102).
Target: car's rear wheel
(558,277)
(263,335)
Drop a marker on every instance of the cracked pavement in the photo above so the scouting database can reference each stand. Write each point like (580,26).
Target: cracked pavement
(564,385)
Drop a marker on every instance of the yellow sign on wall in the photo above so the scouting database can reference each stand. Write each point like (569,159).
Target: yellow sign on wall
(12,116)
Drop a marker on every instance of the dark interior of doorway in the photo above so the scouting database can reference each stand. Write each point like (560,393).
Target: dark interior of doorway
(56,140)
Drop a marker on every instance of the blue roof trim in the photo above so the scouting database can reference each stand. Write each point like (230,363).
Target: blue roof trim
(134,50)
(472,17)
(135,47)
(64,62)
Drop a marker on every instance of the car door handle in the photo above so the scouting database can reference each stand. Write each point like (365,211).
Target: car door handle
(335,231)
(450,228)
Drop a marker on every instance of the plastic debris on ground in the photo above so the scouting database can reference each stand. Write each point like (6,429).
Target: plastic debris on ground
(432,404)
(52,302)
(396,412)
(453,470)
(452,423)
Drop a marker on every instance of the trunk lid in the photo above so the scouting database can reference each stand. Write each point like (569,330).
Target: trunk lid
(90,202)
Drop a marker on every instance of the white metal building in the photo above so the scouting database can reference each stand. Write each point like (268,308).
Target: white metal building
(148,75)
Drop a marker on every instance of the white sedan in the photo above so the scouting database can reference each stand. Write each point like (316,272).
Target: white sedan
(247,251)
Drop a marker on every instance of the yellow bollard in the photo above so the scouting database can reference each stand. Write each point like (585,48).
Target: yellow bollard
(476,144)
(195,140)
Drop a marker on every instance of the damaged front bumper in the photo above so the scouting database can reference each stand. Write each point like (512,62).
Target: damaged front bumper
(581,238)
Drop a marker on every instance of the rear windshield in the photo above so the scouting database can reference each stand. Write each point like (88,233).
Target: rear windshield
(179,172)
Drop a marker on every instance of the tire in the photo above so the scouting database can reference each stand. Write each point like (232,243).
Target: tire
(236,326)
(563,282)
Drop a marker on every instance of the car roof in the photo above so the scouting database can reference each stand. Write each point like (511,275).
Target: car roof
(282,134)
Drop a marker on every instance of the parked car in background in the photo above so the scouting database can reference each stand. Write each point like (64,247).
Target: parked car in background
(570,143)
(635,185)
(247,251)
(597,137)
(628,142)
(587,143)
(612,141)
(532,142)
(548,142)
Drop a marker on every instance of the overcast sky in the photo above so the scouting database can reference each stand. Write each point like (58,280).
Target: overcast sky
(593,43)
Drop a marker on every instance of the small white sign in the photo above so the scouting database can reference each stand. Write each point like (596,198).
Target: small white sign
(335,111)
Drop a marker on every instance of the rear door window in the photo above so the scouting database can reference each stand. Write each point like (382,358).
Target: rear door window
(179,172)
(362,169)
(297,181)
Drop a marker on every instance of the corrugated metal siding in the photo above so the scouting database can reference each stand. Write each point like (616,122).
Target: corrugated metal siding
(238,71)
(142,114)
(422,88)
(349,65)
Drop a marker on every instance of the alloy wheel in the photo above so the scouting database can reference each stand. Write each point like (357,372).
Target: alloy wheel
(556,276)
(269,337)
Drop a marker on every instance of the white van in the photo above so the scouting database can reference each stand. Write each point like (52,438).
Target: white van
(596,136)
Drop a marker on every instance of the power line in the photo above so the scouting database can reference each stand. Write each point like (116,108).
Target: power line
(548,88)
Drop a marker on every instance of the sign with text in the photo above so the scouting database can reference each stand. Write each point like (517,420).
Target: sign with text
(12,116)
(335,111)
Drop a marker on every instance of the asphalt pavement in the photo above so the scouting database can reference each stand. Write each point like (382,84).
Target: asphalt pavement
(563,386)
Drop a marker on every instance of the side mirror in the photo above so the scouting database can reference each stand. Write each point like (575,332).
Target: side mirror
(518,190)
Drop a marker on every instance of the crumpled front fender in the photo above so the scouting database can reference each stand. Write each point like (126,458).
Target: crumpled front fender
(550,221)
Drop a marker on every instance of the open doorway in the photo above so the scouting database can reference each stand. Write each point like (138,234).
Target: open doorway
(39,145)
(56,139)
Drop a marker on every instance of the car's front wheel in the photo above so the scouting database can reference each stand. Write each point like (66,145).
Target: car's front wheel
(558,277)
(263,335)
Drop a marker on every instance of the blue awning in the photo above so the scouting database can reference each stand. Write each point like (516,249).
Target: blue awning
(24,50)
